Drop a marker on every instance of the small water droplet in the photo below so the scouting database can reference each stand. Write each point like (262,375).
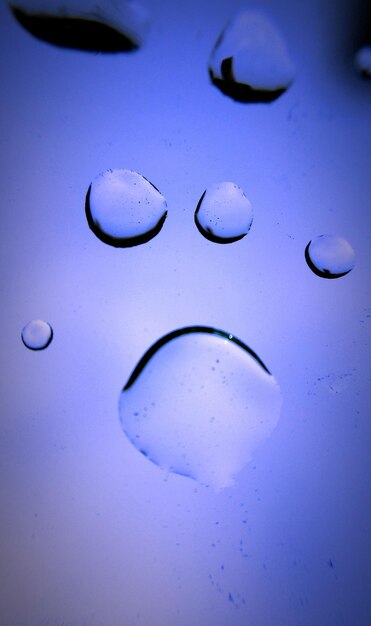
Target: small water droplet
(329,256)
(37,335)
(362,61)
(177,434)
(124,209)
(250,62)
(84,24)
(224,214)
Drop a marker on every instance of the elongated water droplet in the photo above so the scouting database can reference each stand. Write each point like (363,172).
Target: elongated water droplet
(363,61)
(224,214)
(250,62)
(198,403)
(329,256)
(124,209)
(37,335)
(84,24)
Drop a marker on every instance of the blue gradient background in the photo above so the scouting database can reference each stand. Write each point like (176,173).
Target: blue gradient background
(92,532)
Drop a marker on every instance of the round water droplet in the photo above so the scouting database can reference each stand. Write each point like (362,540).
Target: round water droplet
(84,24)
(37,335)
(363,61)
(250,62)
(329,256)
(198,403)
(224,213)
(124,209)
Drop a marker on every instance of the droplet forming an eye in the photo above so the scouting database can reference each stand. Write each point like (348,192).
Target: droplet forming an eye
(198,403)
(37,335)
(329,256)
(84,24)
(124,209)
(250,62)
(224,213)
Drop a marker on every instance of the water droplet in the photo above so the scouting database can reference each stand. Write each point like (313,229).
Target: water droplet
(250,62)
(37,335)
(192,418)
(329,256)
(363,61)
(224,213)
(84,24)
(124,209)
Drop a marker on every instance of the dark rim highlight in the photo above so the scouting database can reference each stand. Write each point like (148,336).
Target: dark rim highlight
(186,331)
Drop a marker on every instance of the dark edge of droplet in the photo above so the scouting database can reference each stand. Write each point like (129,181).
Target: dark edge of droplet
(43,347)
(152,185)
(186,331)
(241,92)
(321,273)
(77,33)
(122,242)
(208,234)
(226,69)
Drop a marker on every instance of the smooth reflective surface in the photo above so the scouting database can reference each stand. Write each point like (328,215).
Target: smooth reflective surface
(199,403)
(224,213)
(124,209)
(93,533)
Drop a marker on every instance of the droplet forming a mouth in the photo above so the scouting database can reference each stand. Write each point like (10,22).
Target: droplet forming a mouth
(198,404)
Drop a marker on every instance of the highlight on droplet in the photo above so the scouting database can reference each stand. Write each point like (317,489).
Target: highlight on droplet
(124,209)
(250,61)
(37,335)
(224,213)
(330,256)
(108,26)
(198,403)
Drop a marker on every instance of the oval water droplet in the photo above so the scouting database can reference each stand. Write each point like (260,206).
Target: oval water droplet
(124,209)
(329,256)
(84,24)
(198,403)
(37,335)
(363,61)
(224,214)
(250,62)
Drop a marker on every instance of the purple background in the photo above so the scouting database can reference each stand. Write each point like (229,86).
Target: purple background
(92,532)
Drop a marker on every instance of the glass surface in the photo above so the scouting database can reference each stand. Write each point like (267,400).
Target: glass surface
(92,532)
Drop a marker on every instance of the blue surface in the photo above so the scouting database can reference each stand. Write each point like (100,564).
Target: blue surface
(91,531)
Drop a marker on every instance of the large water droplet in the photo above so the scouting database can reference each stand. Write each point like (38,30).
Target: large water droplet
(224,213)
(37,335)
(329,256)
(124,209)
(250,62)
(198,403)
(84,24)
(363,61)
